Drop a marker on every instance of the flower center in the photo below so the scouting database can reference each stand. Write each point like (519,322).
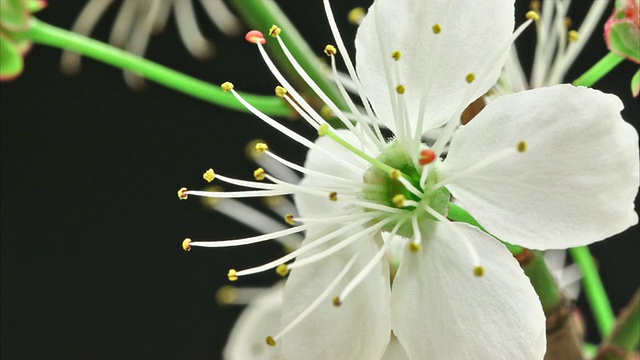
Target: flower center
(403,188)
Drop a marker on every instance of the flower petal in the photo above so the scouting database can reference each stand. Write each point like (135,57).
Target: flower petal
(440,310)
(359,329)
(260,319)
(432,65)
(575,183)
(320,161)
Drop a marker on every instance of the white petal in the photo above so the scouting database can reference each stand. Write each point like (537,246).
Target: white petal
(440,310)
(474,36)
(259,320)
(317,160)
(574,185)
(395,351)
(359,329)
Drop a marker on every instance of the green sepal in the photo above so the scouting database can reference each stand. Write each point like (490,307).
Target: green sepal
(14,15)
(11,63)
(624,40)
(635,84)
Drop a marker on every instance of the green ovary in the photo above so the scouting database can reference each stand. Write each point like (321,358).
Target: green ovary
(384,189)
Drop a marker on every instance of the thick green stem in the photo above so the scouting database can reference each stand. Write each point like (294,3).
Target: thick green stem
(46,34)
(626,333)
(542,280)
(599,70)
(594,290)
(262,14)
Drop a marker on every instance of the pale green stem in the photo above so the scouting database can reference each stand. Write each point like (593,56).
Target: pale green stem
(599,70)
(626,334)
(594,290)
(262,14)
(46,34)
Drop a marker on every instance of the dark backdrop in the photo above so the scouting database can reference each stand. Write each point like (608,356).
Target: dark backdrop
(91,225)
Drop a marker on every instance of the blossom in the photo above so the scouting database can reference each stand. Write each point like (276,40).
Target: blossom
(548,168)
(137,20)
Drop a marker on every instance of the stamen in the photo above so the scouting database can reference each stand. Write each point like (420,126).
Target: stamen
(470,77)
(282,270)
(437,28)
(356,15)
(189,32)
(522,146)
(274,31)
(427,156)
(289,219)
(280,91)
(271,341)
(533,15)
(232,275)
(330,50)
(186,244)
(259,174)
(416,243)
(226,86)
(233,194)
(249,240)
(333,196)
(182,194)
(255,37)
(400,89)
(209,175)
(396,55)
(399,200)
(573,36)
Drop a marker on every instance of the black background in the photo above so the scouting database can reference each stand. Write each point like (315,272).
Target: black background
(91,225)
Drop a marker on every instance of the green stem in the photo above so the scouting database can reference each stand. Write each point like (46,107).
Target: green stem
(599,70)
(543,282)
(626,334)
(594,290)
(46,34)
(262,14)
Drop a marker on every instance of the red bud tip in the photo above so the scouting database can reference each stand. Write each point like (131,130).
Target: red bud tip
(426,157)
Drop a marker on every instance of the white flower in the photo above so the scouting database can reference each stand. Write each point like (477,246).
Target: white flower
(549,168)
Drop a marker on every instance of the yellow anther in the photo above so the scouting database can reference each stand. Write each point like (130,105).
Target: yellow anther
(259,174)
(336,301)
(182,193)
(227,295)
(356,15)
(400,89)
(211,202)
(396,55)
(226,86)
(568,22)
(333,196)
(573,36)
(330,50)
(470,77)
(209,175)
(522,146)
(535,5)
(251,151)
(478,271)
(273,201)
(395,174)
(261,147)
(186,244)
(232,275)
(270,341)
(437,28)
(274,31)
(282,270)
(323,129)
(532,15)
(326,112)
(289,219)
(280,91)
(415,247)
(399,200)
